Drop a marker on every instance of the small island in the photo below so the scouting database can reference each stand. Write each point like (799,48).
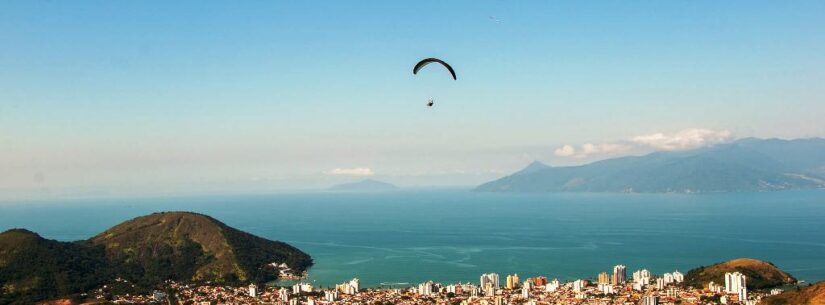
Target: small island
(367,185)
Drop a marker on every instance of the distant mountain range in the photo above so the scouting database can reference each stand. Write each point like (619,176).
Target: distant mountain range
(146,251)
(741,166)
(367,185)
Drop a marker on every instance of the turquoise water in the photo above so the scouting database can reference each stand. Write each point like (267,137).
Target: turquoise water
(455,235)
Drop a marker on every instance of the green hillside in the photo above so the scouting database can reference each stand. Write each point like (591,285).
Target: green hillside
(811,295)
(760,274)
(33,268)
(146,251)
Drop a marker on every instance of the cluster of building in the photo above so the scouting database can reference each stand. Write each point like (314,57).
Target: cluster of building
(644,288)
(351,287)
(735,287)
(285,272)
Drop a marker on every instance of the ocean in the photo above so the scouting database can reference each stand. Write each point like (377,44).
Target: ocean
(455,235)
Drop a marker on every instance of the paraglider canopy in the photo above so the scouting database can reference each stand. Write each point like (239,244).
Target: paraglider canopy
(428,61)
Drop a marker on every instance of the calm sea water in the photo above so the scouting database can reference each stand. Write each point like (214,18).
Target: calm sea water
(455,235)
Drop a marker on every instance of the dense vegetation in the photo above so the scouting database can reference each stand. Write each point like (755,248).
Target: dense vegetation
(145,251)
(761,275)
(811,295)
(253,252)
(33,268)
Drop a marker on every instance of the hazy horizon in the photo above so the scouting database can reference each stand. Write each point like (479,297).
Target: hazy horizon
(153,98)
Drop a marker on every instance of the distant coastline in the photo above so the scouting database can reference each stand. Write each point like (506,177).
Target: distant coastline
(366,185)
(746,165)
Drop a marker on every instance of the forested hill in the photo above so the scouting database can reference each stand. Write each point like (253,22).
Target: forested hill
(147,250)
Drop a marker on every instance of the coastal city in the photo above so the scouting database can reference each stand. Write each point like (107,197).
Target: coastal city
(462,152)
(642,287)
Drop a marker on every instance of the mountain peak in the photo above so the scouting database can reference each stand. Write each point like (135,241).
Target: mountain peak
(222,253)
(21,232)
(533,167)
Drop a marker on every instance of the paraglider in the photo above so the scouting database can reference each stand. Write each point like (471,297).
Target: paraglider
(428,61)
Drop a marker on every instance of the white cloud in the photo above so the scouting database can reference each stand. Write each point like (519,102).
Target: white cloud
(565,151)
(684,139)
(358,171)
(604,148)
(680,140)
(590,149)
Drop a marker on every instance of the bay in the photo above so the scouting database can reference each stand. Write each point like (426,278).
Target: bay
(455,235)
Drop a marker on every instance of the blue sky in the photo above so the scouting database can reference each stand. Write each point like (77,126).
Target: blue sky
(117,97)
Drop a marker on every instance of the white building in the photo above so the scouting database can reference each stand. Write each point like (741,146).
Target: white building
(351,287)
(491,278)
(619,275)
(734,282)
(426,288)
(525,293)
(552,286)
(650,300)
(668,277)
(301,287)
(578,285)
(253,291)
(283,295)
(678,276)
(642,276)
(713,287)
(330,295)
(606,288)
(489,290)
